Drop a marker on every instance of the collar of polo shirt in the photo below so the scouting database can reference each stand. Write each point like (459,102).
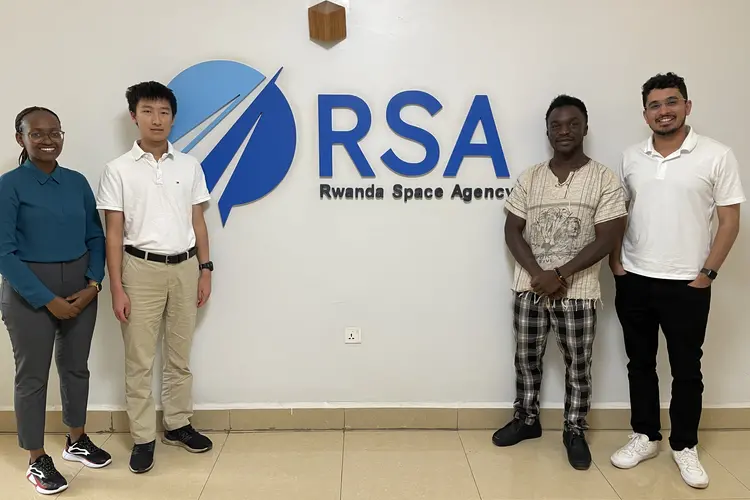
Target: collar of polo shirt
(688,145)
(139,153)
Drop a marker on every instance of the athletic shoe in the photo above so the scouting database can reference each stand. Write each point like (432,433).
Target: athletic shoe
(142,458)
(45,477)
(86,452)
(691,470)
(188,438)
(638,449)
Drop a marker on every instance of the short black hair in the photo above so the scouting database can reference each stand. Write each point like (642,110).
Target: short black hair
(668,81)
(19,126)
(565,100)
(150,91)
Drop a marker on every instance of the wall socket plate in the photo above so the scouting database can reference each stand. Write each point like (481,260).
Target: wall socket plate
(353,335)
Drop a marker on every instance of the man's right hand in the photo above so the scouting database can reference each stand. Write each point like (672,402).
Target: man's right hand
(546,284)
(617,268)
(121,305)
(62,309)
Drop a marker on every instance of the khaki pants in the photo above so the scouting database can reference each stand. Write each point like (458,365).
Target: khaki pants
(158,291)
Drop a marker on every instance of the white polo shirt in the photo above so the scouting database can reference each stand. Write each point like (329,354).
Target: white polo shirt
(672,205)
(156,197)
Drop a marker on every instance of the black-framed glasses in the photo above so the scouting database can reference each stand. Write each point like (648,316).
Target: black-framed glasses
(54,135)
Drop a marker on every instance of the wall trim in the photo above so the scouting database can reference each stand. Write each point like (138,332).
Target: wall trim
(372,418)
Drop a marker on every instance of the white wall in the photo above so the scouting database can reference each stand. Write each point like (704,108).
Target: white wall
(427,283)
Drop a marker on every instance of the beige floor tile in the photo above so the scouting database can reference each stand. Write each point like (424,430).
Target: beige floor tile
(14,463)
(278,466)
(534,469)
(659,477)
(731,449)
(406,465)
(176,475)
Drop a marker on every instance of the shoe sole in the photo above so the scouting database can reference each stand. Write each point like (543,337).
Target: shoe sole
(692,485)
(42,491)
(141,471)
(626,467)
(182,445)
(91,465)
(507,445)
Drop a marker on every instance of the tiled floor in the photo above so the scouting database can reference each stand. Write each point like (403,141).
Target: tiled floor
(386,465)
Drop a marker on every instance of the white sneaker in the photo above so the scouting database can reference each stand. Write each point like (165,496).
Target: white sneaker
(691,470)
(638,449)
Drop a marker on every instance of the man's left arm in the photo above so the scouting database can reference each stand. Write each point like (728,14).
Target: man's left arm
(607,235)
(728,195)
(609,225)
(201,197)
(204,254)
(726,235)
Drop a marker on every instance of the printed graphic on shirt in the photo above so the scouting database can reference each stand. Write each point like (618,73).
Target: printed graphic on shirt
(556,235)
(561,219)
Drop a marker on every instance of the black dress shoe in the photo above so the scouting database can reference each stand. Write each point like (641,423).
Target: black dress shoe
(516,431)
(579,454)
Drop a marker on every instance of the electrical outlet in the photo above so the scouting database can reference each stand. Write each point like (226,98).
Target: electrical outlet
(353,335)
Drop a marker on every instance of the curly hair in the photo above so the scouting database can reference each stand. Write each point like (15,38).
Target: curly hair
(668,81)
(566,100)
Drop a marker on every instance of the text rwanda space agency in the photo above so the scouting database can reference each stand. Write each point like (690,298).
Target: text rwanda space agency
(399,192)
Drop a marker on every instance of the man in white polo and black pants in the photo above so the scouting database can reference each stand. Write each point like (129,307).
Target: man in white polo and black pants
(159,268)
(676,182)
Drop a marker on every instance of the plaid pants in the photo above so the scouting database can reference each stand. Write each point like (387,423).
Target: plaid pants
(574,324)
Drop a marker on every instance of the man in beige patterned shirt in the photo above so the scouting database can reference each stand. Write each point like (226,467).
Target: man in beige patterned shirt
(564,216)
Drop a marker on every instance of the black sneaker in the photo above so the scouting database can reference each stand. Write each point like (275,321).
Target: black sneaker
(86,452)
(45,477)
(516,431)
(579,454)
(188,438)
(142,457)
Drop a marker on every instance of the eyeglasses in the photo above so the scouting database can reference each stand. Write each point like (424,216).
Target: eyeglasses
(670,103)
(55,135)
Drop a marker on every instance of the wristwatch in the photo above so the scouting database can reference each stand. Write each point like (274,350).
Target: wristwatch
(208,265)
(96,285)
(710,273)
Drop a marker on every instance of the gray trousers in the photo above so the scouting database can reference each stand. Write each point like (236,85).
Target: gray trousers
(34,333)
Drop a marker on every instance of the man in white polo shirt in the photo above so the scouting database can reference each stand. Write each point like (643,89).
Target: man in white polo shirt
(159,269)
(676,182)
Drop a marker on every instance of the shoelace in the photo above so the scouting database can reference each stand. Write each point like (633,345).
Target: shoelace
(187,432)
(689,460)
(576,436)
(47,466)
(143,448)
(635,445)
(85,443)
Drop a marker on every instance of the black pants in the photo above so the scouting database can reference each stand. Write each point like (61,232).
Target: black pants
(643,305)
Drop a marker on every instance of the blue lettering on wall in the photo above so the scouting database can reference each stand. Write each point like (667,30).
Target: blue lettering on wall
(479,113)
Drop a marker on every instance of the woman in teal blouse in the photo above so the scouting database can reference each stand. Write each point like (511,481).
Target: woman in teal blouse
(52,265)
